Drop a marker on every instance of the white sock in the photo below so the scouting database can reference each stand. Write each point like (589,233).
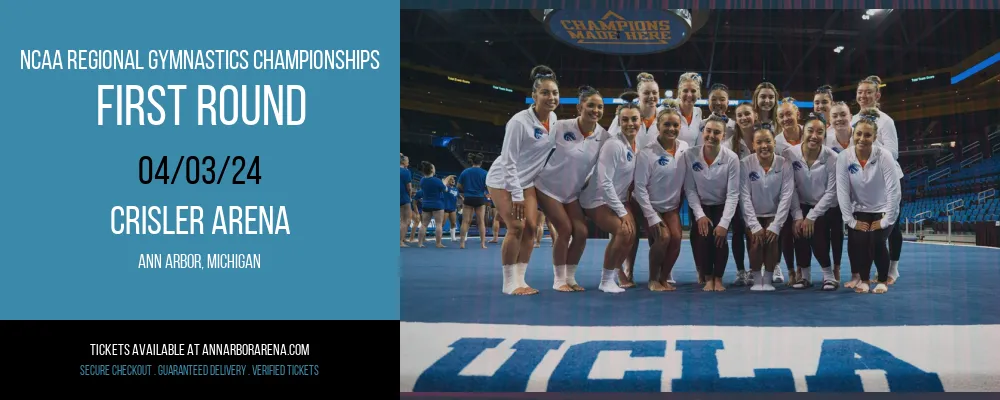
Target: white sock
(519,270)
(806,274)
(670,278)
(570,274)
(758,281)
(828,273)
(559,273)
(608,275)
(894,269)
(509,279)
(452,234)
(608,284)
(766,282)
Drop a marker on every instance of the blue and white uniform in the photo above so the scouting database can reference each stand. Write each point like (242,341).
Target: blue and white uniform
(815,186)
(832,143)
(643,136)
(873,188)
(574,159)
(715,184)
(614,174)
(659,179)
(766,194)
(526,145)
(691,133)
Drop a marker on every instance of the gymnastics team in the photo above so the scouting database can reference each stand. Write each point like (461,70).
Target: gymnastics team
(786,185)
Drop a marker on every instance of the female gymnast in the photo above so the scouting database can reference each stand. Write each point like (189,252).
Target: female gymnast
(868,95)
(578,144)
(688,92)
(526,145)
(605,197)
(472,184)
(815,168)
(712,189)
(789,134)
(451,198)
(868,192)
(433,202)
(405,185)
(659,181)
(741,143)
(766,191)
(765,106)
(649,98)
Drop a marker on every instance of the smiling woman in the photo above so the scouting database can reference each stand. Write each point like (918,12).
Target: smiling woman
(713,193)
(526,145)
(868,192)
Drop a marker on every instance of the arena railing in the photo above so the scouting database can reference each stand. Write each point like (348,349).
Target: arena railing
(972,160)
(938,175)
(986,194)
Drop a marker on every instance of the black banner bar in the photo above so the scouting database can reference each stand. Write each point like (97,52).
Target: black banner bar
(195,352)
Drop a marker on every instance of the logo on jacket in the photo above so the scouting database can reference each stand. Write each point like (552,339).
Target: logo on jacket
(853,168)
(539,132)
(754,176)
(569,137)
(663,161)
(628,155)
(836,150)
(697,166)
(797,165)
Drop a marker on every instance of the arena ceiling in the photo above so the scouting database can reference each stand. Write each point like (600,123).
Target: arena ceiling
(792,48)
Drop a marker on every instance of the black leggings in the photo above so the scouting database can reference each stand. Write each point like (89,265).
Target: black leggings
(714,258)
(835,222)
(818,245)
(864,248)
(896,237)
(738,227)
(693,237)
(787,240)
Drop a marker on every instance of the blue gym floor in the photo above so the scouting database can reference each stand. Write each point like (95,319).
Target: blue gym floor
(458,332)
(938,285)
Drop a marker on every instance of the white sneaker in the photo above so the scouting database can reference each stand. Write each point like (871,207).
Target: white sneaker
(779,277)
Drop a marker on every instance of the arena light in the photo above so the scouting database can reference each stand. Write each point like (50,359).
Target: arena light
(700,103)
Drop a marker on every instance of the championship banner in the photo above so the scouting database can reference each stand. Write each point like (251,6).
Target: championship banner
(620,32)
